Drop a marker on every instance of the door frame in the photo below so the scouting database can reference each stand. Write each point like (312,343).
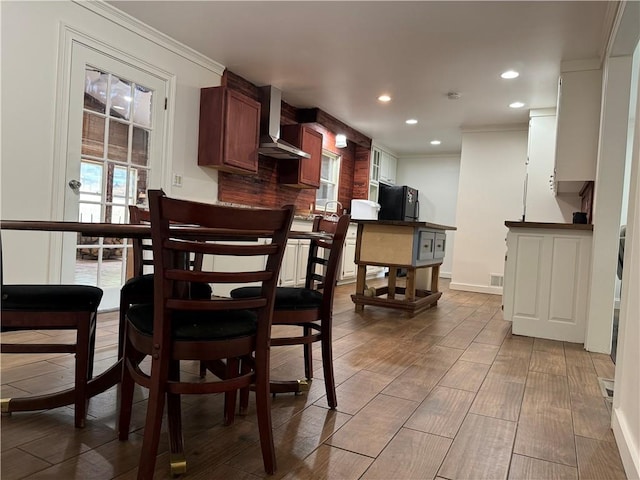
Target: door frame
(68,36)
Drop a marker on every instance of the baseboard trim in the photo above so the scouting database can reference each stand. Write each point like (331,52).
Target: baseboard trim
(626,446)
(467,287)
(445,275)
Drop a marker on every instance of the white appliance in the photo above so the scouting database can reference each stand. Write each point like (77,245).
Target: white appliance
(364,209)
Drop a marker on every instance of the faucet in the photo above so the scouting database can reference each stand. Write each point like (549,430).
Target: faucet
(338,209)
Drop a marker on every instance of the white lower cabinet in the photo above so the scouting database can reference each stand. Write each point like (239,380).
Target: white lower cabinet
(348,270)
(303,258)
(546,284)
(288,269)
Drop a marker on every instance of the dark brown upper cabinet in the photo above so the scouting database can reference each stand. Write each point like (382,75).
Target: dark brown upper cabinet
(303,173)
(229,131)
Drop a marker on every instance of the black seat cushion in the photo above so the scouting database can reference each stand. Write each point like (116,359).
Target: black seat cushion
(287,298)
(51,298)
(198,325)
(143,286)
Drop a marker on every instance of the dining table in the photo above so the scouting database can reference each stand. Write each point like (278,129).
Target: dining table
(113,374)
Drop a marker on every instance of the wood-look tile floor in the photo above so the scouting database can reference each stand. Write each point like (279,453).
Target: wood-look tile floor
(448,394)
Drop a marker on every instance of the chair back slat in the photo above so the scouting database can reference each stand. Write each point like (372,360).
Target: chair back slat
(217,248)
(217,305)
(198,276)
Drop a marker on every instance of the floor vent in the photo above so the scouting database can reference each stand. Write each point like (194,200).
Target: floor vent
(496,280)
(606,387)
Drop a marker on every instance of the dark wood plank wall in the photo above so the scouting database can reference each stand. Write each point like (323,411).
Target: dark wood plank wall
(263,189)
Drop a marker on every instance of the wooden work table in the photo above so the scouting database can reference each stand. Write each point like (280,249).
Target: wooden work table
(397,244)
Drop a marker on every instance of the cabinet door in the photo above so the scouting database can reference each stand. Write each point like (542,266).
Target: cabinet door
(388,168)
(310,168)
(374,173)
(301,268)
(348,263)
(303,173)
(546,285)
(578,118)
(229,130)
(242,132)
(288,268)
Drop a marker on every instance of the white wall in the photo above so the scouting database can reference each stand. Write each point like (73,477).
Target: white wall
(30,72)
(490,191)
(436,178)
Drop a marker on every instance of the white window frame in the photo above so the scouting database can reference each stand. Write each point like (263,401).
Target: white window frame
(329,204)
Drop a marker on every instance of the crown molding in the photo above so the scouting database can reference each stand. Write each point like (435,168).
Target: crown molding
(126,21)
(418,156)
(542,112)
(515,127)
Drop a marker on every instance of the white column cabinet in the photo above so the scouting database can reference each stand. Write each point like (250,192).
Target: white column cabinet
(546,284)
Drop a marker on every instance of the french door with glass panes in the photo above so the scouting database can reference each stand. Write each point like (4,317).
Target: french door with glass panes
(114,154)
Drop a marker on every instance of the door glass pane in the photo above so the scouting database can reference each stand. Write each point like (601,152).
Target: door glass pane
(93,133)
(95,90)
(121,98)
(118,140)
(140,147)
(142,106)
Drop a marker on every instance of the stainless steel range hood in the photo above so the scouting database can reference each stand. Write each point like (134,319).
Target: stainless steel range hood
(270,143)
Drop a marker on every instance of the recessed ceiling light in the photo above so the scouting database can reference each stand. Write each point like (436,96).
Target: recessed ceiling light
(516,105)
(509,74)
(435,142)
(411,121)
(384,98)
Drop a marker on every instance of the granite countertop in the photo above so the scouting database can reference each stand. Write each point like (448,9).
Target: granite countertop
(549,225)
(407,224)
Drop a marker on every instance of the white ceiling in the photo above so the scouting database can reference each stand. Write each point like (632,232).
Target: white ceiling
(340,56)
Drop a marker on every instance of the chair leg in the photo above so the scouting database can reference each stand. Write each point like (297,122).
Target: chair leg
(126,398)
(244,392)
(203,369)
(233,369)
(82,365)
(153,423)
(327,368)
(122,322)
(308,357)
(263,408)
(93,327)
(174,412)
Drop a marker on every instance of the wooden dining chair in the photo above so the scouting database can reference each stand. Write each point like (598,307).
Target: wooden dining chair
(215,330)
(51,307)
(139,288)
(309,307)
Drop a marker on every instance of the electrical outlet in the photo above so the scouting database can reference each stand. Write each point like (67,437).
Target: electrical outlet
(177,180)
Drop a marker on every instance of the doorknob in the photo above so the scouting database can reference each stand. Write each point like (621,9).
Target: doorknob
(75,185)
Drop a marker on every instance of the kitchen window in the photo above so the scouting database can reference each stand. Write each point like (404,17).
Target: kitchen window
(327,194)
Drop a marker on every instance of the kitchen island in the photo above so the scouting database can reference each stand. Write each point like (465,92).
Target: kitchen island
(398,244)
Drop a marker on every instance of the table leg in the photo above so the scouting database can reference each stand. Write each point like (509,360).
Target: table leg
(435,275)
(410,291)
(391,283)
(360,284)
